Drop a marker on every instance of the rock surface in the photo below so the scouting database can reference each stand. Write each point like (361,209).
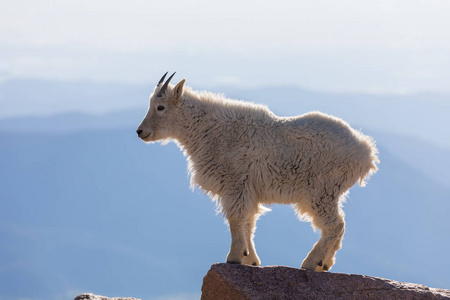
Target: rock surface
(236,282)
(97,297)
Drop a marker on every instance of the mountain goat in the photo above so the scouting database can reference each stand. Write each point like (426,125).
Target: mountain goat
(244,156)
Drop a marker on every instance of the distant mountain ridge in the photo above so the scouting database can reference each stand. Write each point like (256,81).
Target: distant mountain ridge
(423,116)
(72,122)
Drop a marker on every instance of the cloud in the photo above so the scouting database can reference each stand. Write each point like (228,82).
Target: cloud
(138,24)
(381,47)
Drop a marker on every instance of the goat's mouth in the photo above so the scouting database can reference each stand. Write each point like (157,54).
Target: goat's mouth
(144,137)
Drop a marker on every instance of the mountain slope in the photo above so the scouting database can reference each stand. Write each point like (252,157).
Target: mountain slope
(100,211)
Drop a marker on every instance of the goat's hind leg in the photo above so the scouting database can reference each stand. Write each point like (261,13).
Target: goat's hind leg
(330,220)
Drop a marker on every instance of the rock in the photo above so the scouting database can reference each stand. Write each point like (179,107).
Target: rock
(97,297)
(239,282)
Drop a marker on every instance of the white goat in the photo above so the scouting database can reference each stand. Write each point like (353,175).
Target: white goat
(244,156)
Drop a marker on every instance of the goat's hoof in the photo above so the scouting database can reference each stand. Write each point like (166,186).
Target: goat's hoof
(233,262)
(324,265)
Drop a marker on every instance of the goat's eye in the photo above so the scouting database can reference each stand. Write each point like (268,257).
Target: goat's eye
(160,107)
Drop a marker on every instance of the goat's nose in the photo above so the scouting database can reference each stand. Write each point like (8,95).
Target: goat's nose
(139,131)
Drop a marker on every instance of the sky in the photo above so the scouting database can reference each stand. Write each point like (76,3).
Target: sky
(380,47)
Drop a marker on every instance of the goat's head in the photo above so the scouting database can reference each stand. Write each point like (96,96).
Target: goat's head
(162,111)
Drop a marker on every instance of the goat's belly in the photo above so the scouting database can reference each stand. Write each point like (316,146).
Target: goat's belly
(291,192)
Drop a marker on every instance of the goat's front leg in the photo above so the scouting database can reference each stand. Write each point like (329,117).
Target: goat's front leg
(239,247)
(252,257)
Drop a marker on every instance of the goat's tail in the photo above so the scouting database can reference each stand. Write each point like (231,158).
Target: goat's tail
(371,161)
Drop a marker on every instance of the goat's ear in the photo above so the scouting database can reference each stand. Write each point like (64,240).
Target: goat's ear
(178,90)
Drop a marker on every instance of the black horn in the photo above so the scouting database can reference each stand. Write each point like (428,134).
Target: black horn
(164,87)
(162,79)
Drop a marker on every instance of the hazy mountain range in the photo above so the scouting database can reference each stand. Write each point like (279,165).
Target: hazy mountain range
(85,206)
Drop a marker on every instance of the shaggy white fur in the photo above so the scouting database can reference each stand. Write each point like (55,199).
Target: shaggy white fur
(244,156)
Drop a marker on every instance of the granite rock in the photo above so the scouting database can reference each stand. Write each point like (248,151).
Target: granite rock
(239,282)
(97,297)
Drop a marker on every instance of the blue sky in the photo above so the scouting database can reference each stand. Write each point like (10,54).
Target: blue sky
(380,47)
